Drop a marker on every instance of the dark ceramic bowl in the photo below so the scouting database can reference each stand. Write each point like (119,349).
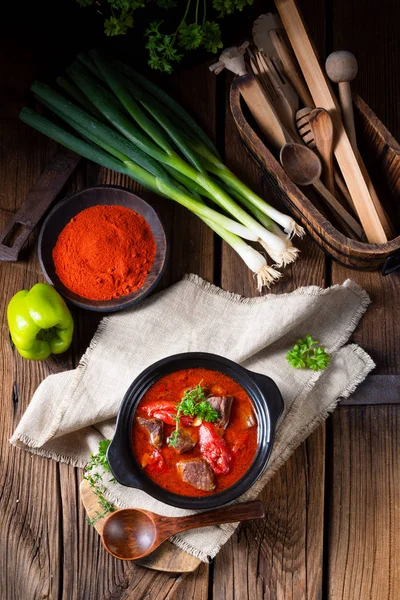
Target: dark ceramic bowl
(63,212)
(267,402)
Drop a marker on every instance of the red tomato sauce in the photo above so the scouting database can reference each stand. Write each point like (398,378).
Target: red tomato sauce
(239,437)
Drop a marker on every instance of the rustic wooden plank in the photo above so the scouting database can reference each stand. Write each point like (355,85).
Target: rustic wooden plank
(363,543)
(48,549)
(364,549)
(283,558)
(191,249)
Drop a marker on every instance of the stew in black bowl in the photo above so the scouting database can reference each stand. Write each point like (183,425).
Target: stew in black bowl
(195,430)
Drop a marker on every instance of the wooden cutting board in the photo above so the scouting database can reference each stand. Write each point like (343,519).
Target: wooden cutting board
(167,557)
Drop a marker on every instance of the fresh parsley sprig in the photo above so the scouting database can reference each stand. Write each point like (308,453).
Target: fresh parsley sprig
(194,404)
(306,354)
(196,22)
(95,479)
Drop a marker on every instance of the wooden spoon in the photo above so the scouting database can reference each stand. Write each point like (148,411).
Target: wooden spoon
(307,134)
(341,68)
(131,533)
(304,168)
(322,128)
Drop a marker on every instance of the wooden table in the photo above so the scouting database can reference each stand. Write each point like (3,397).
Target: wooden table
(333,511)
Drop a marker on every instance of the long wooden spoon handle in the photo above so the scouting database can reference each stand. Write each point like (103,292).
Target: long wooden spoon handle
(324,147)
(346,104)
(245,511)
(262,110)
(290,66)
(339,210)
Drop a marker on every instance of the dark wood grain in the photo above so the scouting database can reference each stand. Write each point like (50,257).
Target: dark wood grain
(39,199)
(50,550)
(282,557)
(47,548)
(363,549)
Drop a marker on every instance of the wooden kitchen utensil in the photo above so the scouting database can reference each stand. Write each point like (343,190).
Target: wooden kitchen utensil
(322,128)
(261,28)
(304,168)
(307,134)
(256,99)
(323,97)
(167,558)
(290,66)
(262,41)
(274,90)
(378,143)
(39,199)
(131,534)
(341,68)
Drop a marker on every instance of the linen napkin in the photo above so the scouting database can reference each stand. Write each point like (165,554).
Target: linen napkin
(72,411)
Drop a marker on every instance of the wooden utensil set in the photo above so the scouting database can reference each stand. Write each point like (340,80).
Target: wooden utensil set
(281,71)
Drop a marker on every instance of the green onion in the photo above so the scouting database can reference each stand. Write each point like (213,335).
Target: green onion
(126,123)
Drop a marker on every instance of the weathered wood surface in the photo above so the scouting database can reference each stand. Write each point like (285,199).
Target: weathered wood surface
(363,556)
(332,529)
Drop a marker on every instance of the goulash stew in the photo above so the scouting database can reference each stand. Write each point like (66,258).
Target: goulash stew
(195,432)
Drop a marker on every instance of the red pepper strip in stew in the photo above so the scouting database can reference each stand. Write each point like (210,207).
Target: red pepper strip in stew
(169,418)
(165,410)
(214,449)
(153,459)
(164,405)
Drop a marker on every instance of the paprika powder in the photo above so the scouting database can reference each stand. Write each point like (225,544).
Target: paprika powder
(104,252)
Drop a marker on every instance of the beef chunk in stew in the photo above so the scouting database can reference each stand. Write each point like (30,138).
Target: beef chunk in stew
(222,404)
(197,473)
(183,441)
(155,428)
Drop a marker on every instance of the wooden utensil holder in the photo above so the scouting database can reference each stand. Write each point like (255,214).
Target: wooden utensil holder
(376,144)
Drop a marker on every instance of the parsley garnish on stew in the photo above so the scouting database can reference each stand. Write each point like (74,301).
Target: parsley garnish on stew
(306,354)
(193,404)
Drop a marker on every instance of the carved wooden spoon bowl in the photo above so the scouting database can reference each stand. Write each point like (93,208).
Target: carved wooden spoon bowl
(131,533)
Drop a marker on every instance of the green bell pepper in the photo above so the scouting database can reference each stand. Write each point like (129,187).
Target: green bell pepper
(40,322)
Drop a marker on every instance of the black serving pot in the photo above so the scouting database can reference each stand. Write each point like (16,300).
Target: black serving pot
(267,402)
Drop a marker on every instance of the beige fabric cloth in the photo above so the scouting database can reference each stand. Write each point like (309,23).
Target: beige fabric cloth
(72,411)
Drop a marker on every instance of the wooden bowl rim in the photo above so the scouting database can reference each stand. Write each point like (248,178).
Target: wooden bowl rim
(282,178)
(160,260)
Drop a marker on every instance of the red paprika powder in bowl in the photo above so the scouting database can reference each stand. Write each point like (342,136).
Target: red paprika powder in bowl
(103,248)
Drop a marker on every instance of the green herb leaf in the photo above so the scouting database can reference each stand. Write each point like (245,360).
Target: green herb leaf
(161,48)
(206,412)
(173,438)
(118,25)
(304,354)
(95,479)
(190,36)
(227,7)
(211,36)
(194,404)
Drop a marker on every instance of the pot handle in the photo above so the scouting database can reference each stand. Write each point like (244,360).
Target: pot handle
(271,392)
(118,460)
(392,263)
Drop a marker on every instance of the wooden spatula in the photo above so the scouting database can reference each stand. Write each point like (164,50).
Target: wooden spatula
(256,99)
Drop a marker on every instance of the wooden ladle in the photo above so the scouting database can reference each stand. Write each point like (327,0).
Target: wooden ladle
(304,168)
(131,533)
